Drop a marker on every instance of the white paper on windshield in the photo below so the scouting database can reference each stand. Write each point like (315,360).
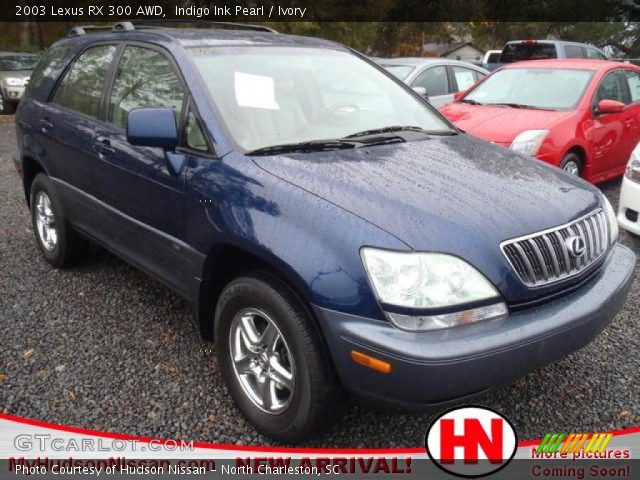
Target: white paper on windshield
(255,91)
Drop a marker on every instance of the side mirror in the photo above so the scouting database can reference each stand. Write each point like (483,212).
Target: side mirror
(610,106)
(420,91)
(152,127)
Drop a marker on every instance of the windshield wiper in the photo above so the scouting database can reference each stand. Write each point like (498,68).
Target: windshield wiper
(470,101)
(520,105)
(310,146)
(400,128)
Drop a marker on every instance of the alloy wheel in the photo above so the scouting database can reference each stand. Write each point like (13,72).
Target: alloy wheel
(262,360)
(46,222)
(572,168)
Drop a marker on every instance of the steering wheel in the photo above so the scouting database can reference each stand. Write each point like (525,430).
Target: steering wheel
(334,108)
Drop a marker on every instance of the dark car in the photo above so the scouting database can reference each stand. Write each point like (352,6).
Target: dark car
(15,70)
(333,231)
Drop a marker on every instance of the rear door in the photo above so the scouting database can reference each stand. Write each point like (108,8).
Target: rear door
(143,198)
(464,78)
(67,123)
(614,134)
(435,80)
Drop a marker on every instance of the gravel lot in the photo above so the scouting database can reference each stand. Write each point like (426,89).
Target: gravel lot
(103,346)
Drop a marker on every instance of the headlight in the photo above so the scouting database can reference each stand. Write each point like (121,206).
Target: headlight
(613,222)
(529,141)
(13,82)
(442,283)
(633,167)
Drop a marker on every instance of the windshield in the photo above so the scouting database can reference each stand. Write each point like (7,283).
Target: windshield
(399,71)
(531,87)
(17,62)
(516,52)
(271,96)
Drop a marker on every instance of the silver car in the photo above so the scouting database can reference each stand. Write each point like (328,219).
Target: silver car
(15,70)
(436,78)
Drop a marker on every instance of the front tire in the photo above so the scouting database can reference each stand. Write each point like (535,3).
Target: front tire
(58,242)
(273,361)
(6,107)
(572,164)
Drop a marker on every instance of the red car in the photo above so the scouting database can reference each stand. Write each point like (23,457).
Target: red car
(580,115)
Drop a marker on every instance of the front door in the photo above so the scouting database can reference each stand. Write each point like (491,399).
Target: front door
(141,193)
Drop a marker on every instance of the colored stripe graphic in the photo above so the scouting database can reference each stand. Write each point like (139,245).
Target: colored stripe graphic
(574,442)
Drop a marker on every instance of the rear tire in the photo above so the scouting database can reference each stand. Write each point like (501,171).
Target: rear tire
(288,395)
(59,243)
(572,164)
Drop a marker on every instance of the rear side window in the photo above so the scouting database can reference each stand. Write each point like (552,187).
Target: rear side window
(516,52)
(465,77)
(81,87)
(574,51)
(433,80)
(47,65)
(145,78)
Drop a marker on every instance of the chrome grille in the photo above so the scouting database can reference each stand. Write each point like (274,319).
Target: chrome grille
(543,258)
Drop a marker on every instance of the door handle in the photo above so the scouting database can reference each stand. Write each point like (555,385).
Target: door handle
(45,124)
(102,145)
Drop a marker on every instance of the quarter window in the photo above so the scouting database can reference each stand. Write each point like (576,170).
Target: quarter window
(81,88)
(47,65)
(145,78)
(433,80)
(595,55)
(193,133)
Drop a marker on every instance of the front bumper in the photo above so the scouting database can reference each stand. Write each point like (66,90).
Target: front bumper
(432,368)
(629,203)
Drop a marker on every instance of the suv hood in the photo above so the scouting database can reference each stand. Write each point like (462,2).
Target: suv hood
(15,74)
(455,194)
(500,124)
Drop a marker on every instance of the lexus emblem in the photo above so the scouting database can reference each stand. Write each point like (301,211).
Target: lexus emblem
(576,246)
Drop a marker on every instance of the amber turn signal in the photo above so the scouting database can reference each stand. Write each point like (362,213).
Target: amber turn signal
(371,362)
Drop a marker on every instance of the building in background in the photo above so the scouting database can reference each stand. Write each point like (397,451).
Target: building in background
(464,51)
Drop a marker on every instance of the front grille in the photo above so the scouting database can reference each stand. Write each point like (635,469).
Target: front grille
(543,258)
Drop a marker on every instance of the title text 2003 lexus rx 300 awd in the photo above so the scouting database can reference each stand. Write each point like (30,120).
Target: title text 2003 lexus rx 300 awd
(333,231)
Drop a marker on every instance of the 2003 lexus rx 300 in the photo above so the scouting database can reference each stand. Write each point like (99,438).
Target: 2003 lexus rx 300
(333,231)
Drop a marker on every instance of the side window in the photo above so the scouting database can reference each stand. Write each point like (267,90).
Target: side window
(465,77)
(434,80)
(193,134)
(81,88)
(47,65)
(633,80)
(479,76)
(574,51)
(614,87)
(145,78)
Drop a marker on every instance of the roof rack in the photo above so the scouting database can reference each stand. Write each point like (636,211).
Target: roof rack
(132,24)
(82,29)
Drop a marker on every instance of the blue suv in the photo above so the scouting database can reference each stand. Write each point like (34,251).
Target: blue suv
(334,233)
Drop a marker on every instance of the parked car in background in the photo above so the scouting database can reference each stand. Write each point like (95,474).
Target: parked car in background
(580,115)
(629,207)
(522,50)
(331,230)
(491,60)
(436,78)
(15,70)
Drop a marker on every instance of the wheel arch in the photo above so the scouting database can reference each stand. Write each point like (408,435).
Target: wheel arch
(30,168)
(226,261)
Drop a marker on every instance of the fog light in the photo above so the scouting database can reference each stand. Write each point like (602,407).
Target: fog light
(631,215)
